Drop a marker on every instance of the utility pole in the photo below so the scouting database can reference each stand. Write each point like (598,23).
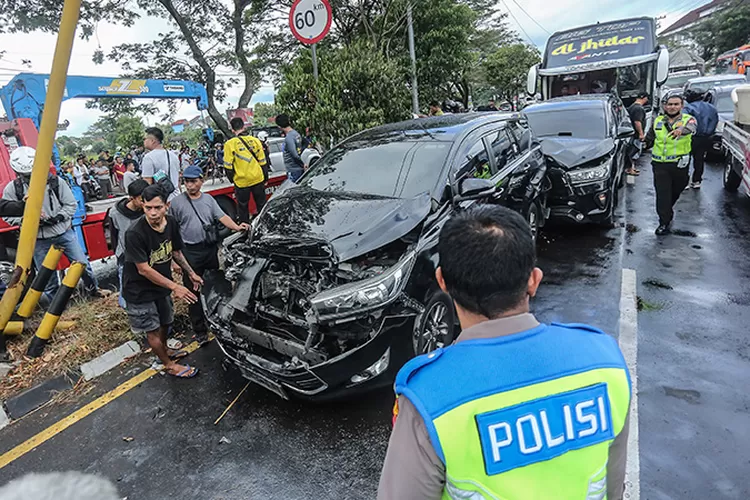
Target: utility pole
(413,55)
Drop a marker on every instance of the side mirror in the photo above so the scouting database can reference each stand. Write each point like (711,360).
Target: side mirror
(623,132)
(662,66)
(473,189)
(531,79)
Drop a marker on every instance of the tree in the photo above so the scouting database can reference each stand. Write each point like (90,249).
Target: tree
(725,30)
(358,88)
(219,43)
(242,36)
(263,113)
(506,69)
(118,134)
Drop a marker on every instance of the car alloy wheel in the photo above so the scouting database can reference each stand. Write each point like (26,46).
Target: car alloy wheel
(435,325)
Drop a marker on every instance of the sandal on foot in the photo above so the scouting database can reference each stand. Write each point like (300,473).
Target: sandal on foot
(188,372)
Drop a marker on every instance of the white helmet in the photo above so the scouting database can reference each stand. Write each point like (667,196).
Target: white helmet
(22,159)
(263,136)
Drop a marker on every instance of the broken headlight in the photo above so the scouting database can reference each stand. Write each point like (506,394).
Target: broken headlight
(586,175)
(367,294)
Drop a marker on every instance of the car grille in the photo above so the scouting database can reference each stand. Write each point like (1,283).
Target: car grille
(300,380)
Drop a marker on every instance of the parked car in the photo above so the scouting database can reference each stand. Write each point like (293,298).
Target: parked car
(721,97)
(276,149)
(334,288)
(677,80)
(705,83)
(585,140)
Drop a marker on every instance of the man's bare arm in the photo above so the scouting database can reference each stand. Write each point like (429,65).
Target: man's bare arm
(154,276)
(182,262)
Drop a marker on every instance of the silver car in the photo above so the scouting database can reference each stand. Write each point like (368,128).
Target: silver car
(276,149)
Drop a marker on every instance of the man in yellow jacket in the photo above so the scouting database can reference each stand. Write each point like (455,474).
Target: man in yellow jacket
(244,160)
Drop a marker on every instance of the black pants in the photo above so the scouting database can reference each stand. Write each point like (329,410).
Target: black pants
(701,145)
(242,195)
(669,182)
(201,258)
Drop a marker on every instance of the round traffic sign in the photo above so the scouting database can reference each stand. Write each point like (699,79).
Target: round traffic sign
(310,20)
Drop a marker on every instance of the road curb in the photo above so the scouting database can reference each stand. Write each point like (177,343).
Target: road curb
(29,400)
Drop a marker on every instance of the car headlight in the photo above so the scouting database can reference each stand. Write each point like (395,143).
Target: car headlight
(364,295)
(720,128)
(590,174)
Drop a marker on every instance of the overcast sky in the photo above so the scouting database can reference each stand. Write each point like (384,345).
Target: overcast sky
(547,16)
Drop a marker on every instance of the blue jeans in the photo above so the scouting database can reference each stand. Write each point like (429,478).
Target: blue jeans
(68,241)
(294,173)
(120,299)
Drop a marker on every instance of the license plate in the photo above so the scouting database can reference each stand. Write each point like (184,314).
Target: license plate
(265,382)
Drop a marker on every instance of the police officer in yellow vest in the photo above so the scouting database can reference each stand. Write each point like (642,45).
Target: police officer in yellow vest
(670,157)
(514,409)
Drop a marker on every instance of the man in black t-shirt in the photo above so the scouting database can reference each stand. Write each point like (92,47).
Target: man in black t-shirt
(638,117)
(151,244)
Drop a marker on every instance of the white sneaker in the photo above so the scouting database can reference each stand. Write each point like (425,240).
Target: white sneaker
(695,185)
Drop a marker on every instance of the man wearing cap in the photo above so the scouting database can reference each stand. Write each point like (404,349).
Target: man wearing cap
(55,227)
(199,217)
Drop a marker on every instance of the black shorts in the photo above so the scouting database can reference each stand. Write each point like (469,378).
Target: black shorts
(150,316)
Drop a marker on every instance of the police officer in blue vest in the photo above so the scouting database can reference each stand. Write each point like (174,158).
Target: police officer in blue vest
(514,409)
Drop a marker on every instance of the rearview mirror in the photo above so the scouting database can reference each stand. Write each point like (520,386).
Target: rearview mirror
(623,132)
(531,79)
(472,189)
(662,66)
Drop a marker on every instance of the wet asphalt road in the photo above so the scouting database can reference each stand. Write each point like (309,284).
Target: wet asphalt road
(694,342)
(693,374)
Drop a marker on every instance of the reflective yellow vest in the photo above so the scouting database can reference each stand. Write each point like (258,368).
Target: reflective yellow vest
(527,416)
(666,148)
(247,164)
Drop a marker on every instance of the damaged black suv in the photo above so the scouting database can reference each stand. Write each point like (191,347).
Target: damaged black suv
(334,288)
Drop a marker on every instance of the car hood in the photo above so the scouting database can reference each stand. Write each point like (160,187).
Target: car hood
(352,224)
(572,151)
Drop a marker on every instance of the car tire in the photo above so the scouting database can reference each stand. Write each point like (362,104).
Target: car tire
(731,179)
(534,220)
(436,325)
(609,221)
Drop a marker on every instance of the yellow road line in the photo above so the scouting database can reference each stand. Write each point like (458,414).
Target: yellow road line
(81,413)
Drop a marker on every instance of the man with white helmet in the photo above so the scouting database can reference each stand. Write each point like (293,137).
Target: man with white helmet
(55,227)
(263,138)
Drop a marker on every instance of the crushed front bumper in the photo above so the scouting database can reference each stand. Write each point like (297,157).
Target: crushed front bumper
(306,373)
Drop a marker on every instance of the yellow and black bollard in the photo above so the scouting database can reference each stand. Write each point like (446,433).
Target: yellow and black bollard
(40,282)
(55,310)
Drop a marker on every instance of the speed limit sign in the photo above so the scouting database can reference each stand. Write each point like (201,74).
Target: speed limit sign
(310,20)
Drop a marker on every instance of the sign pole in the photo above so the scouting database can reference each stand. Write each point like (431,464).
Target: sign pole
(315,61)
(413,56)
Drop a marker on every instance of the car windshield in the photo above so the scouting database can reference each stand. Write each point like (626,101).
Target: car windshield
(678,80)
(586,123)
(724,104)
(398,168)
(709,84)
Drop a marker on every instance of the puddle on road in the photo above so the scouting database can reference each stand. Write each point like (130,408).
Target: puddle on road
(657,283)
(683,232)
(689,395)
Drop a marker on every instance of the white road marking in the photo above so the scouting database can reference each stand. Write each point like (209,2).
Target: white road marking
(629,347)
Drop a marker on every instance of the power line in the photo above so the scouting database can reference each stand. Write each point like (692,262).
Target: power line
(530,17)
(519,24)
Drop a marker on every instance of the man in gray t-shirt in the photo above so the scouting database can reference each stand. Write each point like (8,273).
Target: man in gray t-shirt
(293,162)
(159,159)
(193,210)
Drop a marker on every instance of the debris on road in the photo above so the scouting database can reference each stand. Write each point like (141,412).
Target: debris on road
(224,440)
(657,283)
(231,404)
(128,439)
